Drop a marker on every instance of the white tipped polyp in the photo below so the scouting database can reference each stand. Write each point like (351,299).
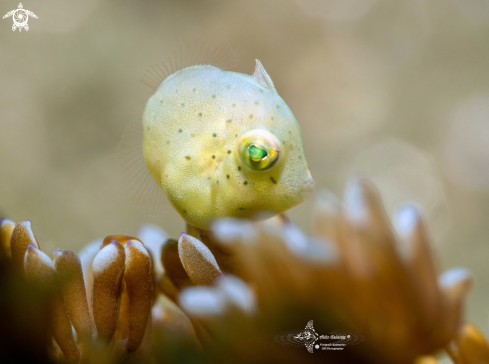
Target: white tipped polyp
(202,301)
(327,200)
(238,293)
(153,238)
(309,248)
(35,262)
(459,276)
(152,235)
(33,251)
(406,219)
(320,252)
(227,230)
(356,208)
(104,257)
(201,248)
(138,246)
(89,251)
(296,240)
(4,221)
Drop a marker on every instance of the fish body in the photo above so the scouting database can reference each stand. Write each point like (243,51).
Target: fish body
(224,144)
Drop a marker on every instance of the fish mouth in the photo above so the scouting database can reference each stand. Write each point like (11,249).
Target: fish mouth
(307,188)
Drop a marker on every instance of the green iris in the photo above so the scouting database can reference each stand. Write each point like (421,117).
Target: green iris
(257,154)
(258,149)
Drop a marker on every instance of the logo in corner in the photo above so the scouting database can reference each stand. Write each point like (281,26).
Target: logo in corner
(308,336)
(20,17)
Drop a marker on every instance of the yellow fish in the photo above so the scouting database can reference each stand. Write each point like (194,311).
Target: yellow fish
(224,144)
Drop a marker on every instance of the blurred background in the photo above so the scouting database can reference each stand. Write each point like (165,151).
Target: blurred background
(394,90)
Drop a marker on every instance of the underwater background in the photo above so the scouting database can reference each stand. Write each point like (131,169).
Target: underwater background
(396,91)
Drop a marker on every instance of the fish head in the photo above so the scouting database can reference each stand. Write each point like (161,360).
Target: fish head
(224,145)
(271,160)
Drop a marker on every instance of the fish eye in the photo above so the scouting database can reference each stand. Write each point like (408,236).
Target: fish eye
(258,149)
(257,154)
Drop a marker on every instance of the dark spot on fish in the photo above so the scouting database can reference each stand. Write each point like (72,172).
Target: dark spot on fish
(167,142)
(257,103)
(228,86)
(273,180)
(228,120)
(290,132)
(229,151)
(283,142)
(182,104)
(234,105)
(217,182)
(239,168)
(161,101)
(251,116)
(180,130)
(184,211)
(194,90)
(261,90)
(245,183)
(300,157)
(214,135)
(241,208)
(278,106)
(213,96)
(227,176)
(272,118)
(147,128)
(236,136)
(200,114)
(213,156)
(187,157)
(192,135)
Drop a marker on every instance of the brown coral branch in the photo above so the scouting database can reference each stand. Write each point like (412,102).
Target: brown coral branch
(139,285)
(174,271)
(198,261)
(22,237)
(108,268)
(6,229)
(40,269)
(72,286)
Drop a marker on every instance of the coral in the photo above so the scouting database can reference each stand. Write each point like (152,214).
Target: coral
(236,293)
(109,315)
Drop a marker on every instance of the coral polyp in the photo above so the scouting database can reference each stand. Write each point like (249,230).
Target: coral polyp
(253,282)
